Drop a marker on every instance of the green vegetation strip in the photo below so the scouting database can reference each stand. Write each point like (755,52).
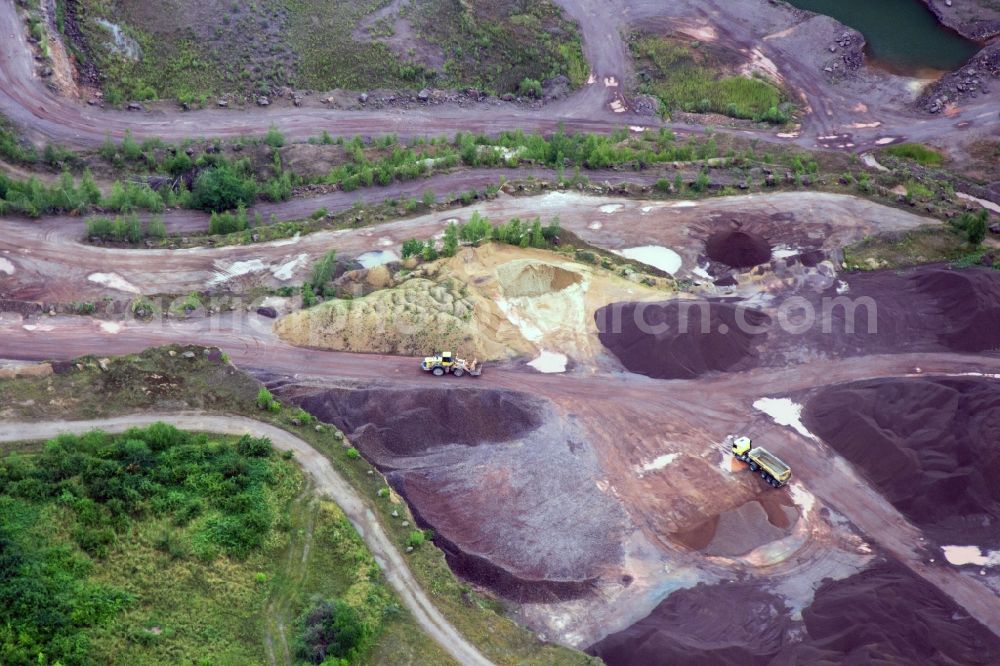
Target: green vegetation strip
(160,545)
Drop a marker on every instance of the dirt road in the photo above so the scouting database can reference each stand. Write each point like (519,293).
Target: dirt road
(326,480)
(831,119)
(47,261)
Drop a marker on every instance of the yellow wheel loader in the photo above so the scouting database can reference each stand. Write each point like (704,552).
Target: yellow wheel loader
(445,363)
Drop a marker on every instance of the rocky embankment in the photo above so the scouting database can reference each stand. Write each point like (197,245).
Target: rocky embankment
(978,20)
(979,77)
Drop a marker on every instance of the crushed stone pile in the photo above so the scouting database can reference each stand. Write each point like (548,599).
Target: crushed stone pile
(929,444)
(882,615)
(681,339)
(738,249)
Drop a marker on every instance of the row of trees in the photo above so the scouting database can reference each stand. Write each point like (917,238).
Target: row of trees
(479,229)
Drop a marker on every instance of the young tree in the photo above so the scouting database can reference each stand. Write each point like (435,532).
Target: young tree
(450,244)
(976,229)
(412,247)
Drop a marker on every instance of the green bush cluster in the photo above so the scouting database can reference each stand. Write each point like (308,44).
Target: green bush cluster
(123,228)
(222,188)
(228,222)
(479,229)
(974,225)
(33,198)
(99,486)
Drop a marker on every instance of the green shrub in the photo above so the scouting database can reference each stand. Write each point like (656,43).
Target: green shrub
(323,271)
(416,539)
(223,188)
(228,223)
(264,398)
(450,242)
(142,308)
(353,453)
(331,632)
(975,230)
(274,138)
(530,88)
(254,447)
(916,152)
(412,247)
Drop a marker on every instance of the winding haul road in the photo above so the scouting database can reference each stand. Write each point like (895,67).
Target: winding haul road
(328,482)
(831,118)
(613,404)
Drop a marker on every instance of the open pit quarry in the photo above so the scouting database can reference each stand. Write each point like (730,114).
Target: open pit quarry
(584,481)
(596,500)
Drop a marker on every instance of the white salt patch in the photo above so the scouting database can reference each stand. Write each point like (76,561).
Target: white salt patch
(41,328)
(884,140)
(611,208)
(550,362)
(684,204)
(989,205)
(385,241)
(377,258)
(702,272)
(528,330)
(783,252)
(660,462)
(784,412)
(869,161)
(6,266)
(596,226)
(236,269)
(959,555)
(285,271)
(113,281)
(656,256)
(111,327)
(637,128)
(804,499)
(787,135)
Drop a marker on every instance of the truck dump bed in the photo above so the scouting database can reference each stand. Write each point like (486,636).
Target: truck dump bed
(771,463)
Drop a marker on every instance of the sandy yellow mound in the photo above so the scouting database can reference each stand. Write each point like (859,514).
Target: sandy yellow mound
(492,303)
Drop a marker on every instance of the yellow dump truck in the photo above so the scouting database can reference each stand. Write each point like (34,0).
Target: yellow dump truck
(771,468)
(445,362)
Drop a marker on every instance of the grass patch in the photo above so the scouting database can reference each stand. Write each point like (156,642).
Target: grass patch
(498,45)
(916,152)
(920,246)
(687,76)
(188,52)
